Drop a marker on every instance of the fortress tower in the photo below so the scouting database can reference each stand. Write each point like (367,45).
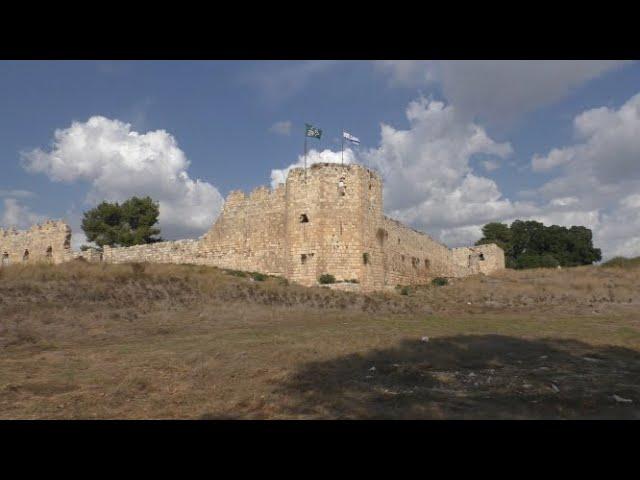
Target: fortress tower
(329,219)
(326,219)
(331,210)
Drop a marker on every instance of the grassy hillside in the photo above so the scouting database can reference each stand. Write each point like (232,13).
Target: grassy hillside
(622,262)
(159,341)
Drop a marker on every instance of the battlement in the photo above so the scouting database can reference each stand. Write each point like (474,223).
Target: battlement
(327,218)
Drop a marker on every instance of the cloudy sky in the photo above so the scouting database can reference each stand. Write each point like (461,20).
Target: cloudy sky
(458,143)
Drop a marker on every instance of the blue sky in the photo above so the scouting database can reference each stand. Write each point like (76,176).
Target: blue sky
(458,143)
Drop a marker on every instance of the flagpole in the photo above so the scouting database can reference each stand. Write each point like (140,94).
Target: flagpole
(342,149)
(305,155)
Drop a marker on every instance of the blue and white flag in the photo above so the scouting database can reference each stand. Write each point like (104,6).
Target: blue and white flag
(351,138)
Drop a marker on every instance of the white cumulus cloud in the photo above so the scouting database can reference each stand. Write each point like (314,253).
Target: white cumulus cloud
(498,91)
(600,173)
(119,163)
(17,215)
(429,181)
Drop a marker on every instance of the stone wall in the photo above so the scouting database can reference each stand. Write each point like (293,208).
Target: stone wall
(327,218)
(412,257)
(181,251)
(249,234)
(49,242)
(479,259)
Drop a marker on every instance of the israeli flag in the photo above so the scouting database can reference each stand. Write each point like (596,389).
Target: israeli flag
(351,138)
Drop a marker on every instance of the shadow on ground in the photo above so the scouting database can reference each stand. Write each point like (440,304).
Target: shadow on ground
(474,377)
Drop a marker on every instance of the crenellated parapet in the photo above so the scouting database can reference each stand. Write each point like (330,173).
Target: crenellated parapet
(326,219)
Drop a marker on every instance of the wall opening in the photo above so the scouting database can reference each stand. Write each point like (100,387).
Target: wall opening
(304,218)
(25,256)
(5,259)
(427,264)
(381,235)
(481,256)
(342,187)
(49,252)
(365,258)
(305,257)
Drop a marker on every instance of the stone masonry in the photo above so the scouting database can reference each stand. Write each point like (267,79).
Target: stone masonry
(325,219)
(50,242)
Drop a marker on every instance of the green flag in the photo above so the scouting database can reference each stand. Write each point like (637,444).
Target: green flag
(312,131)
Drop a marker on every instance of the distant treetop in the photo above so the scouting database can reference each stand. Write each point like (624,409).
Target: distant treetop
(124,225)
(530,244)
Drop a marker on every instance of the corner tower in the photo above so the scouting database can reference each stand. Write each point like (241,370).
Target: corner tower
(330,212)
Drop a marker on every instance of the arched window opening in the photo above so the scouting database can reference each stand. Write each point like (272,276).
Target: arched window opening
(25,256)
(481,256)
(49,252)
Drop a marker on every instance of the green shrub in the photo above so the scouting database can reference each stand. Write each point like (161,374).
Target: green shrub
(326,278)
(259,277)
(534,260)
(136,268)
(439,281)
(236,273)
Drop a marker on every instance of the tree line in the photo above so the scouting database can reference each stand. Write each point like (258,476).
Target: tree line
(531,244)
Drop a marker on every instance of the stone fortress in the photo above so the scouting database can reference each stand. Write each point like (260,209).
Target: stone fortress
(326,219)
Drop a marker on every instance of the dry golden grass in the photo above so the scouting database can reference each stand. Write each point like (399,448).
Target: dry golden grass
(159,341)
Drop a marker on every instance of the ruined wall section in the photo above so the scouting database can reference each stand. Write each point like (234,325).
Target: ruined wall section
(479,259)
(413,257)
(49,242)
(249,234)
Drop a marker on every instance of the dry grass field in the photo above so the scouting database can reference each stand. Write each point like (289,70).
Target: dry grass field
(156,341)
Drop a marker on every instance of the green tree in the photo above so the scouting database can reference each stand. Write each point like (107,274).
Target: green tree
(536,260)
(530,244)
(500,234)
(126,224)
